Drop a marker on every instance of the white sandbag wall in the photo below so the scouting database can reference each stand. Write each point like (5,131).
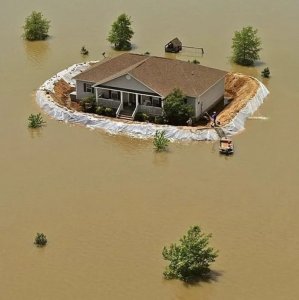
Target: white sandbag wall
(137,129)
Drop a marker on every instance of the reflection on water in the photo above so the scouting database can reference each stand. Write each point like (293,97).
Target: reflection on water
(161,158)
(251,71)
(35,132)
(37,52)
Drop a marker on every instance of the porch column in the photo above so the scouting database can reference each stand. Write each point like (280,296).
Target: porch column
(97,96)
(121,100)
(162,103)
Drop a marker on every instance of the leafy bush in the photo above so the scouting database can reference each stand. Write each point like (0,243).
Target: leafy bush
(195,61)
(36,27)
(84,51)
(160,141)
(141,117)
(40,240)
(121,33)
(266,73)
(110,112)
(191,258)
(246,46)
(36,121)
(100,110)
(89,104)
(151,119)
(176,111)
(159,120)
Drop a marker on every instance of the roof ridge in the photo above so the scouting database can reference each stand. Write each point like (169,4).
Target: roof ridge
(122,72)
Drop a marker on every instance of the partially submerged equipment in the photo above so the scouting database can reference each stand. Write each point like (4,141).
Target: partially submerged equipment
(226,146)
(175,46)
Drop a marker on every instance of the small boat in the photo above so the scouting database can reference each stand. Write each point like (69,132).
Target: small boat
(226,146)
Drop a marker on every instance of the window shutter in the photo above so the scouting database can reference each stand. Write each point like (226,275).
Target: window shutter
(84,87)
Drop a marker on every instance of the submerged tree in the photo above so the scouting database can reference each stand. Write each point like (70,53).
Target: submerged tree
(84,51)
(121,33)
(36,121)
(160,141)
(191,258)
(175,108)
(266,73)
(36,27)
(40,240)
(246,46)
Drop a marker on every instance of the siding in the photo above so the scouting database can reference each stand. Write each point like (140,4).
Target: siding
(130,84)
(191,101)
(80,89)
(208,99)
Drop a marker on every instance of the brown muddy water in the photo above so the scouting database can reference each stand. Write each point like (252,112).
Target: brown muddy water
(109,204)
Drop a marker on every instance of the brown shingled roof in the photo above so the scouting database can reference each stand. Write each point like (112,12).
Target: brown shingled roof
(161,75)
(109,67)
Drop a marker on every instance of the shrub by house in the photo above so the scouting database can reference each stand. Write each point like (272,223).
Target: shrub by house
(176,109)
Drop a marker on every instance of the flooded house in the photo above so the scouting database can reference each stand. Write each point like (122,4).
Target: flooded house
(132,83)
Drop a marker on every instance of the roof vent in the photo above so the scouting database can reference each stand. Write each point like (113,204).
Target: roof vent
(128,77)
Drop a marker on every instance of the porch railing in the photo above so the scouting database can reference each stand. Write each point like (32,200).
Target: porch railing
(135,110)
(120,108)
(150,110)
(109,103)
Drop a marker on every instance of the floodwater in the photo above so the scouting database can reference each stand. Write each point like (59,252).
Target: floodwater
(108,204)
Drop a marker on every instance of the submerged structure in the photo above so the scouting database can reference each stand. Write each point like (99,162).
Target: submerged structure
(132,83)
(174,46)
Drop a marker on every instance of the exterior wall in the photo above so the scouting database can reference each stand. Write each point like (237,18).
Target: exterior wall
(208,99)
(191,101)
(130,84)
(80,89)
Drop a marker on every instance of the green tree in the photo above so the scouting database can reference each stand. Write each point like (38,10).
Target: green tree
(175,108)
(121,33)
(36,27)
(266,73)
(246,46)
(40,240)
(191,258)
(160,141)
(36,121)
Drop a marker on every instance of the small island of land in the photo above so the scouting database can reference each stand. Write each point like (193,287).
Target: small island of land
(83,89)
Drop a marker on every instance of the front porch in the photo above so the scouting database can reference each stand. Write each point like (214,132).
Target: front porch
(128,103)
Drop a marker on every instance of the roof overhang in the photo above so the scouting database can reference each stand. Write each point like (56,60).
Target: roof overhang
(125,90)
